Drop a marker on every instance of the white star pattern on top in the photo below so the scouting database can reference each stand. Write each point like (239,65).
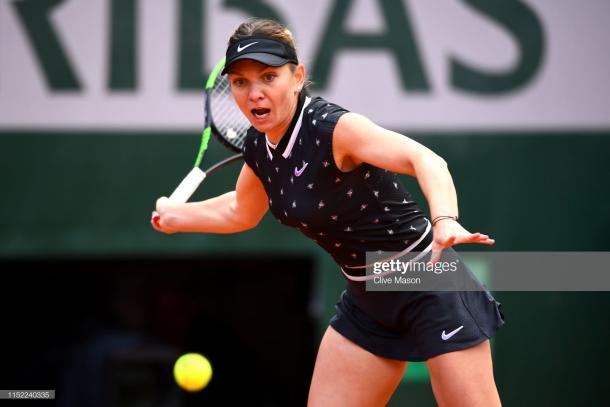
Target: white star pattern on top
(346,213)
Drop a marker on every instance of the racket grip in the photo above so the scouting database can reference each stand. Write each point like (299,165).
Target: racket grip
(188,186)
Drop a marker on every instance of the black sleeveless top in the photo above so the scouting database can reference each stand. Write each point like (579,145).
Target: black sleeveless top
(346,213)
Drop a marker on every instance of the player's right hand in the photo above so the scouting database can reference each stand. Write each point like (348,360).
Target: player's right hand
(156,219)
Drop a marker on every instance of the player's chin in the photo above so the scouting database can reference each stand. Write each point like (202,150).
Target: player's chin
(262,126)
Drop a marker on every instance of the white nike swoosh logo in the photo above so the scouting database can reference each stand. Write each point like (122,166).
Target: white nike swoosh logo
(298,172)
(445,336)
(240,48)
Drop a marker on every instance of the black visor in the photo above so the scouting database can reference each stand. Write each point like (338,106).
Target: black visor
(262,49)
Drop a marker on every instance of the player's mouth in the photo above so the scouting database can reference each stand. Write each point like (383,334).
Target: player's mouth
(260,113)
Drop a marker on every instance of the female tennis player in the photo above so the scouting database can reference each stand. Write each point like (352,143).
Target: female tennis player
(332,174)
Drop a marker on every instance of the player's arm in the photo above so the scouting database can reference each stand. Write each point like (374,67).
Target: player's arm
(235,211)
(357,139)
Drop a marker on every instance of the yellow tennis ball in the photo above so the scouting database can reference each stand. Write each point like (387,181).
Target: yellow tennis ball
(192,371)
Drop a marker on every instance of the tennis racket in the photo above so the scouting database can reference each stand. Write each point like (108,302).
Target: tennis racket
(222,118)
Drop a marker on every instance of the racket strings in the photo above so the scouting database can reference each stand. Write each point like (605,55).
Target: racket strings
(227,117)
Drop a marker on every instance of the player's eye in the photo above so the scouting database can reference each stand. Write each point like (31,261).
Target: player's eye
(238,83)
(269,76)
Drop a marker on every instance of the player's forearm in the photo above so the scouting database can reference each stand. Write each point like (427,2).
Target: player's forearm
(436,183)
(215,215)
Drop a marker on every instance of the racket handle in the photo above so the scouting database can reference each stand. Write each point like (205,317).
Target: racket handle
(188,186)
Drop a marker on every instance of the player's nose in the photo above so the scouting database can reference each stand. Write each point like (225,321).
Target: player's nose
(255,92)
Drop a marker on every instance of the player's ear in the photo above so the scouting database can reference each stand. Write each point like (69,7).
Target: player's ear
(299,77)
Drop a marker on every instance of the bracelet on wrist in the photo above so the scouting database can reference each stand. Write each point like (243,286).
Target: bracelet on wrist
(442,217)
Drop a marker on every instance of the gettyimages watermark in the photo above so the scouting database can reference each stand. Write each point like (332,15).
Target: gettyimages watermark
(418,266)
(488,271)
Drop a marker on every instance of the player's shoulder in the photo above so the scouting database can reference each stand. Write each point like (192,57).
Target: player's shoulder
(252,137)
(252,148)
(322,115)
(320,106)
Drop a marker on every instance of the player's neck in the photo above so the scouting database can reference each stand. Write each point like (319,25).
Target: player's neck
(275,135)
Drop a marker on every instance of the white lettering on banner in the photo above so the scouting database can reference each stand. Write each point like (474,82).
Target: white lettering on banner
(422,66)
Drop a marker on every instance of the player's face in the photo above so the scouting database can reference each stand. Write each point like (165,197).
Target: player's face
(266,95)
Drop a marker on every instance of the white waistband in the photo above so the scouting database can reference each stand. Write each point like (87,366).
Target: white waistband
(400,254)
(372,276)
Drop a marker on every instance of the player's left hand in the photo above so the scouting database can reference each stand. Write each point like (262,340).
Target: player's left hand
(449,232)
